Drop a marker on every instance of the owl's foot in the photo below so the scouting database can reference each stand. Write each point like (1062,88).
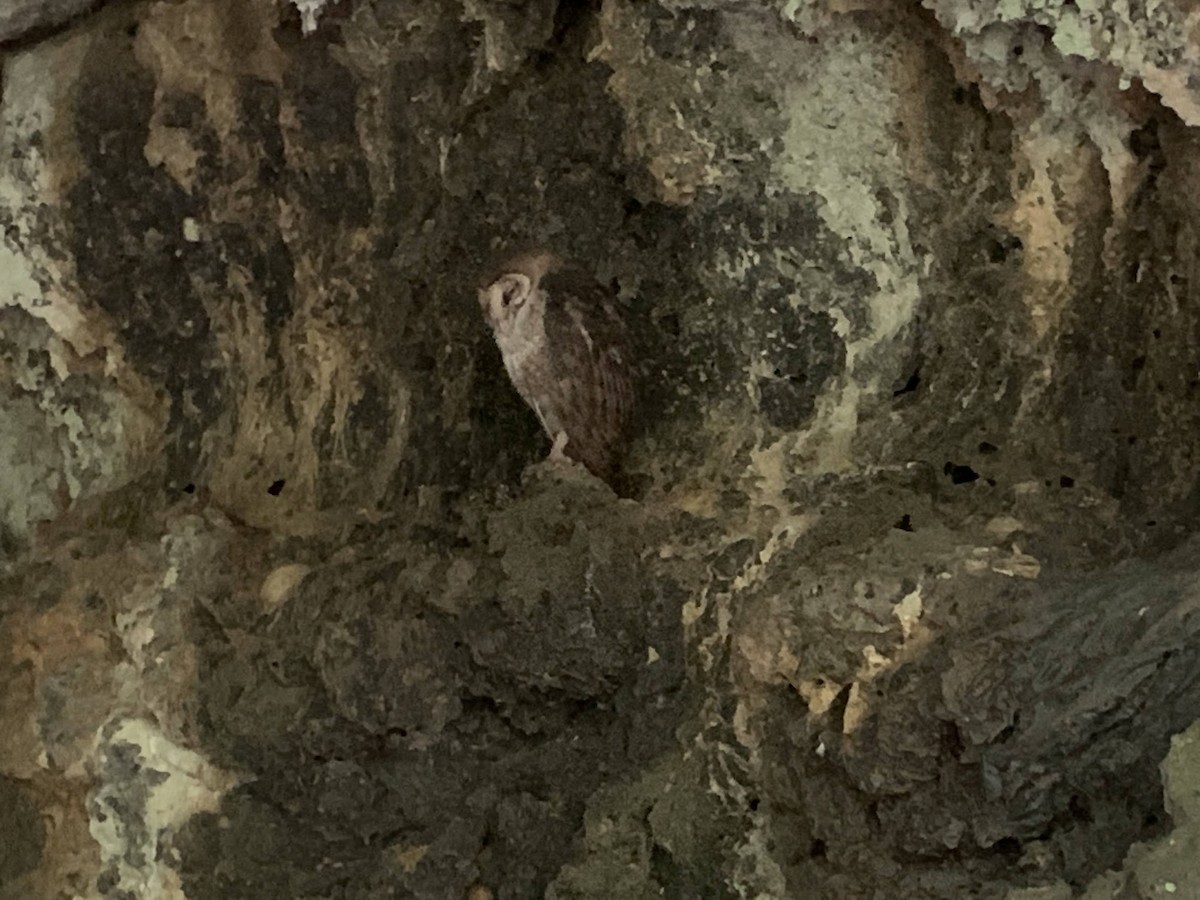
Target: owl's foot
(557,465)
(558,460)
(558,452)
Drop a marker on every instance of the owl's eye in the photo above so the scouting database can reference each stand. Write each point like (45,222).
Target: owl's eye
(511,295)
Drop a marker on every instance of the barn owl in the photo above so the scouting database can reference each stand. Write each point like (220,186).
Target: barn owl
(566,351)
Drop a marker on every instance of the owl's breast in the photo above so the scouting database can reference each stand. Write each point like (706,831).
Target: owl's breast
(520,354)
(525,359)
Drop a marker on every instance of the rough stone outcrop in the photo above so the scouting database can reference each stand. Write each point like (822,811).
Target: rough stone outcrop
(899,593)
(33,19)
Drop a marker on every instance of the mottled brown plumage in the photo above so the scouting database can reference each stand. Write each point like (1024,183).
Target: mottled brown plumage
(567,353)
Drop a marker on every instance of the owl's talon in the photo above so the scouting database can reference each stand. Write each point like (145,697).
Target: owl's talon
(558,452)
(555,467)
(557,458)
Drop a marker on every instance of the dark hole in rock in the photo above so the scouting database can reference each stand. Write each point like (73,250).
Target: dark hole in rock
(189,488)
(1066,481)
(1000,250)
(987,447)
(904,523)
(817,849)
(1009,846)
(1080,809)
(951,740)
(1144,141)
(837,709)
(276,487)
(910,385)
(670,324)
(960,474)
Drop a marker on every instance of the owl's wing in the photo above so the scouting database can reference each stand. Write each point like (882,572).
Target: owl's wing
(591,365)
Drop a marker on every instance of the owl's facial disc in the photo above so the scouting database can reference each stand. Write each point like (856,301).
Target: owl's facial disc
(504,297)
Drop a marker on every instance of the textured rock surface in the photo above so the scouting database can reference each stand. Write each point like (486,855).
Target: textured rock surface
(32,19)
(900,597)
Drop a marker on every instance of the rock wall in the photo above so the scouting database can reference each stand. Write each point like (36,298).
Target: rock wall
(898,598)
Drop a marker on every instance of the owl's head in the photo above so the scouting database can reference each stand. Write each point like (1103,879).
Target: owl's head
(513,298)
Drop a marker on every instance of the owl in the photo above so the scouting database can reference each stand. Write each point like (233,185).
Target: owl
(566,351)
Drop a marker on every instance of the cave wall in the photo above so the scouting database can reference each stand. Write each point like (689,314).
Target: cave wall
(899,594)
